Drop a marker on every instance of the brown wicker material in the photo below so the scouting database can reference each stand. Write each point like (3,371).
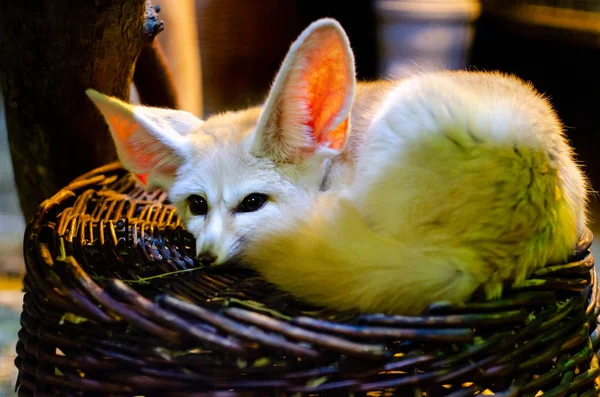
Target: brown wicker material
(116,304)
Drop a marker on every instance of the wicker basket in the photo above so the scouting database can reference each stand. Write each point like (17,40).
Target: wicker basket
(116,304)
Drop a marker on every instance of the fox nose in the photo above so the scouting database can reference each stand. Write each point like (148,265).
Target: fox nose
(207,259)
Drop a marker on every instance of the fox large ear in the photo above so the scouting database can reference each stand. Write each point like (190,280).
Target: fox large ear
(308,108)
(150,142)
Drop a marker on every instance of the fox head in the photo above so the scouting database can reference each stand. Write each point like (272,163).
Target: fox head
(228,174)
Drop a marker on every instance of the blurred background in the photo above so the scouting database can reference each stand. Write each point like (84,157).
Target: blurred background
(224,54)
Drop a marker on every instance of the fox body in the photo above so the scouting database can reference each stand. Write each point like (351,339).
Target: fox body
(380,197)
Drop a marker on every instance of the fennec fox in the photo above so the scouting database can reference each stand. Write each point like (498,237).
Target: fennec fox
(379,197)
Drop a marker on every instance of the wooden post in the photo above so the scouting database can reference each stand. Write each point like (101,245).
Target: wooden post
(50,53)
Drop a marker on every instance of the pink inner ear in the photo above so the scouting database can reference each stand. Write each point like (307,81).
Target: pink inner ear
(328,84)
(124,128)
(143,178)
(141,156)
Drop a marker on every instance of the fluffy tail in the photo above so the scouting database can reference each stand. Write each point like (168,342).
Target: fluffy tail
(465,181)
(331,257)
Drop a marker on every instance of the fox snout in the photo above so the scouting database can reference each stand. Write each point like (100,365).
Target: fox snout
(213,251)
(213,246)
(207,251)
(207,259)
(209,243)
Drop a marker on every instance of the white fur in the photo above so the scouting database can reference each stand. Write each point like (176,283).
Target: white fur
(281,132)
(447,182)
(464,182)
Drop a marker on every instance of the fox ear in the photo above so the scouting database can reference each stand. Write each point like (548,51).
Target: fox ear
(308,108)
(150,142)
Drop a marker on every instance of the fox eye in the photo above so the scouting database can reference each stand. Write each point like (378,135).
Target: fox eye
(252,202)
(197,205)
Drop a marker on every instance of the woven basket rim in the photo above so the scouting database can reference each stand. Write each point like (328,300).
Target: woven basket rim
(229,331)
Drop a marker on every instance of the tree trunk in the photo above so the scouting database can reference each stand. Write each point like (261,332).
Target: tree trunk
(152,79)
(51,52)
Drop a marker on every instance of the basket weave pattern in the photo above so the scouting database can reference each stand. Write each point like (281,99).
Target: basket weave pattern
(116,304)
